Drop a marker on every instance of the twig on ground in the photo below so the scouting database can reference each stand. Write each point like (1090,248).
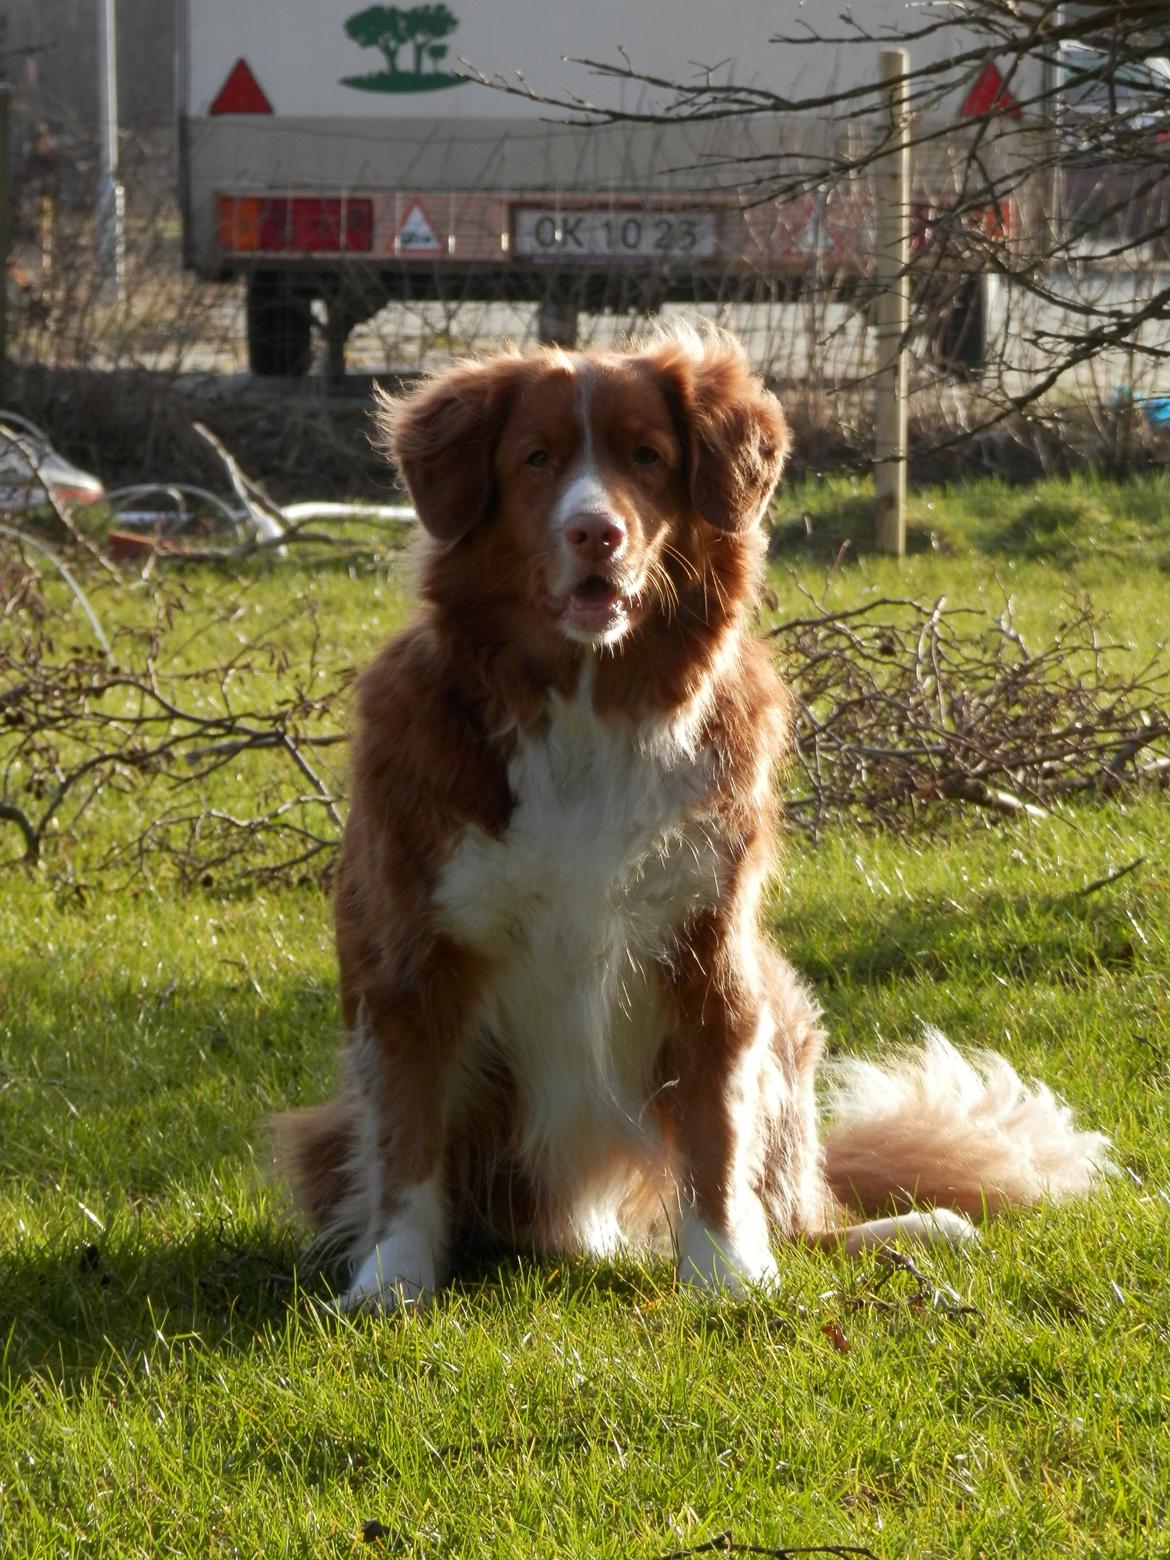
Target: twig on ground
(267,520)
(938,1296)
(271,528)
(1110,877)
(32,839)
(901,704)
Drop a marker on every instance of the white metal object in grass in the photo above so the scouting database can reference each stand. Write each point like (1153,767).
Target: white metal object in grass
(255,519)
(31,470)
(375,514)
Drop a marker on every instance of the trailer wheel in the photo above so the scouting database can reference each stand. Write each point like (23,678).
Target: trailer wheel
(556,321)
(280,325)
(964,332)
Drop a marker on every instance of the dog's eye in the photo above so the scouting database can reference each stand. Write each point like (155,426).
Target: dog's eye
(645,456)
(537,458)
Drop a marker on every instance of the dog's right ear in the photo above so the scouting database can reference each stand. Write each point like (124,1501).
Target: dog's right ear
(442,438)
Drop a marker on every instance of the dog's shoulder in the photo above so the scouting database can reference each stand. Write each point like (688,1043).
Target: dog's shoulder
(427,742)
(749,722)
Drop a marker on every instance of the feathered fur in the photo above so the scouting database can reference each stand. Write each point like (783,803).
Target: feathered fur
(934,1127)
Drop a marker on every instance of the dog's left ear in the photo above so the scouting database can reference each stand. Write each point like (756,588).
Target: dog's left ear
(442,438)
(736,435)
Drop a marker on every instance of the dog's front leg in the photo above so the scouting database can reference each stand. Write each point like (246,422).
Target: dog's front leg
(722,1231)
(406,1044)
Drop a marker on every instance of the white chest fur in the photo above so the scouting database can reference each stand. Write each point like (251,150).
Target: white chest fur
(609,849)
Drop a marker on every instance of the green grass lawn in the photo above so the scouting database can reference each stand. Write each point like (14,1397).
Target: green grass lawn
(172,1383)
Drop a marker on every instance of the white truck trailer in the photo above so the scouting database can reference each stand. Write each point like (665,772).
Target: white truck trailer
(350,155)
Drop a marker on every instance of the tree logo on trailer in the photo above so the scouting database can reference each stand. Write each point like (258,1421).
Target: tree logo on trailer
(392,31)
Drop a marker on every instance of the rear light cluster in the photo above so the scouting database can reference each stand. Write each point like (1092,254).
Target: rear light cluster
(296,224)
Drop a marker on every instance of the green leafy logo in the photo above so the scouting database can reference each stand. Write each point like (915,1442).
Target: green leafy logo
(409,42)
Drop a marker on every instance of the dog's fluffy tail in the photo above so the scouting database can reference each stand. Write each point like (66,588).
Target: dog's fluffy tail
(935,1128)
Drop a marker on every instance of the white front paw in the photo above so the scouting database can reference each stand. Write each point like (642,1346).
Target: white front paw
(600,1234)
(728,1265)
(398,1274)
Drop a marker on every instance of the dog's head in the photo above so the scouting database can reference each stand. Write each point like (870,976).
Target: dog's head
(586,492)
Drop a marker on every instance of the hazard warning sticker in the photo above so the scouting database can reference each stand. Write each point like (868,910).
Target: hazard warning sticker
(415,234)
(241,93)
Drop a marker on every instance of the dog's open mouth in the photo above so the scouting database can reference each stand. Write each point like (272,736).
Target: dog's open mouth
(594,608)
(595,592)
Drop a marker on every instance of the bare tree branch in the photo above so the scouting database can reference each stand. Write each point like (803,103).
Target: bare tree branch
(906,709)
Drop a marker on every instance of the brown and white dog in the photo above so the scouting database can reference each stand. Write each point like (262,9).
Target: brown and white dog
(564,1016)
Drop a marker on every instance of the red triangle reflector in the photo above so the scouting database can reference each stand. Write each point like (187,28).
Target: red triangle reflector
(241,93)
(988,95)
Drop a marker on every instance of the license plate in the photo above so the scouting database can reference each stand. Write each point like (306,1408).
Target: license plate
(545,233)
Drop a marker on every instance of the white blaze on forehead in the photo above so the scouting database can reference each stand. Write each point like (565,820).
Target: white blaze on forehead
(584,491)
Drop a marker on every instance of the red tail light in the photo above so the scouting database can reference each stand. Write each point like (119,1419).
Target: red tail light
(359,225)
(273,227)
(296,224)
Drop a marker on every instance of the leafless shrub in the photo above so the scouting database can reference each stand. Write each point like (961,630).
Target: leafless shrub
(86,731)
(904,705)
(906,709)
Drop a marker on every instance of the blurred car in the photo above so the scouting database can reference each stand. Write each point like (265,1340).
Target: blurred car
(30,468)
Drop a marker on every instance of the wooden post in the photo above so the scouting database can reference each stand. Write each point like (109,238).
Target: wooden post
(893,309)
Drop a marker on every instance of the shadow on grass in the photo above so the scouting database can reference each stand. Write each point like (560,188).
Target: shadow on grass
(1062,528)
(72,1308)
(847,532)
(1060,939)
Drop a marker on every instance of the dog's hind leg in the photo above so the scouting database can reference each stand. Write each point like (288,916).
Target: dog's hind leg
(924,1227)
